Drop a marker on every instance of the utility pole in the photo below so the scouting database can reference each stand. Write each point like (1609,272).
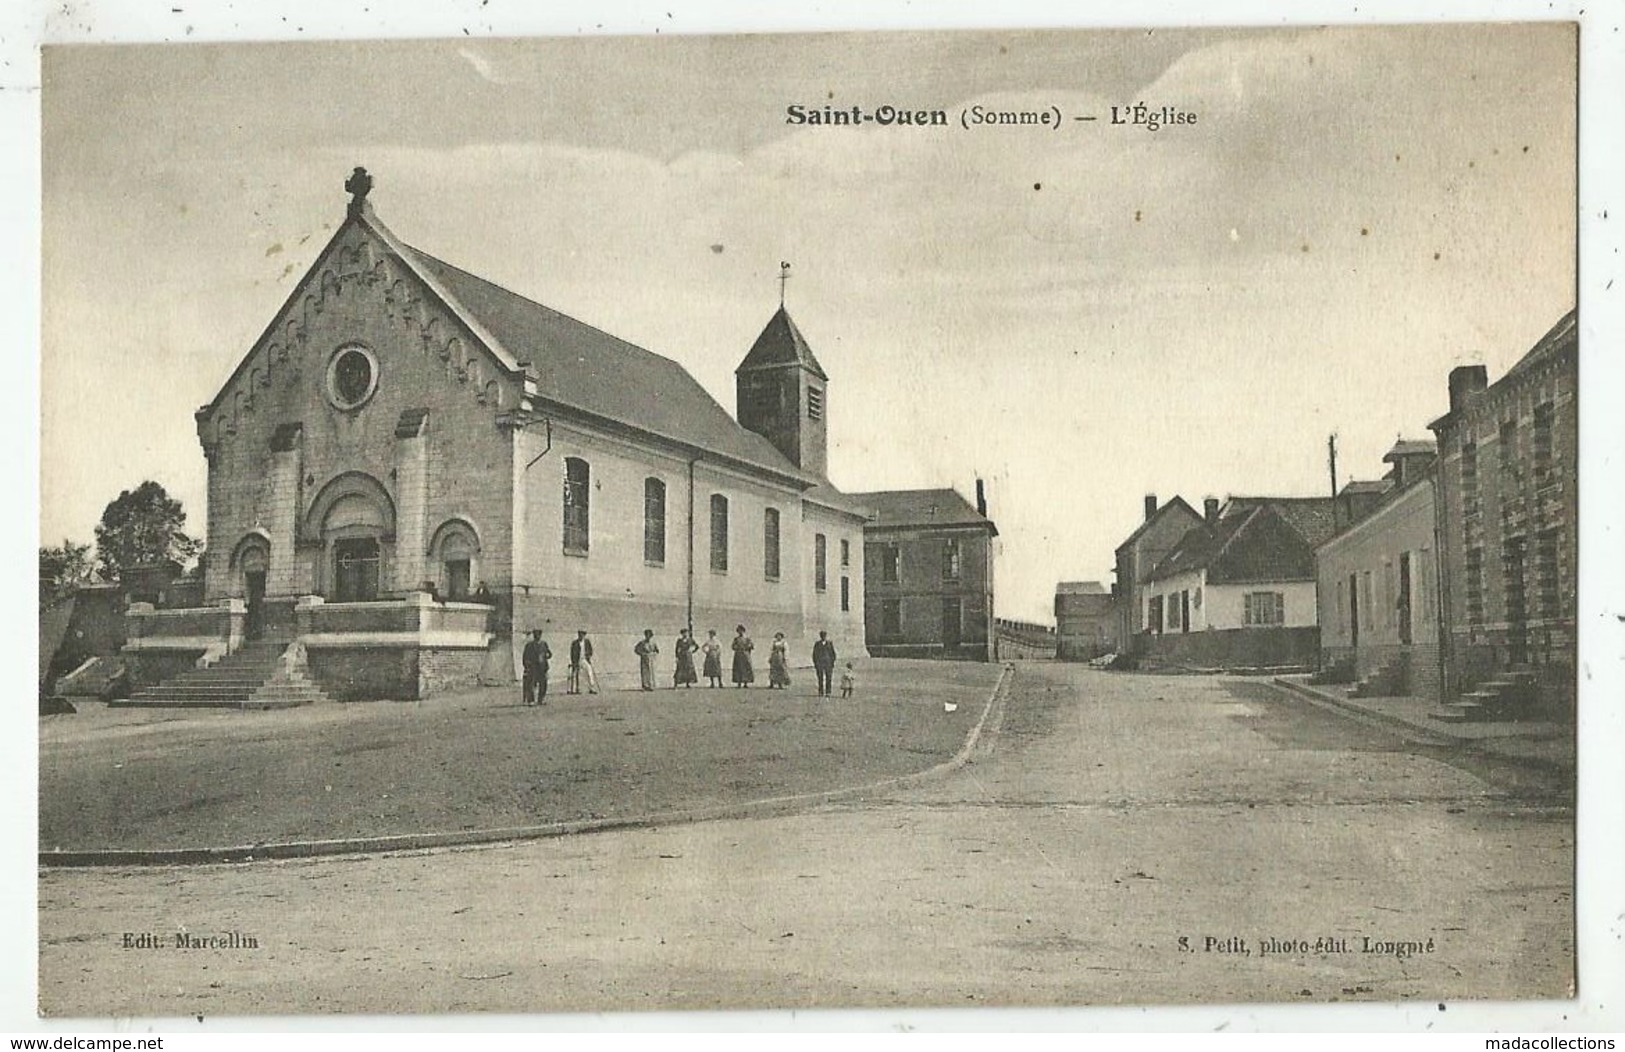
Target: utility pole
(1331,459)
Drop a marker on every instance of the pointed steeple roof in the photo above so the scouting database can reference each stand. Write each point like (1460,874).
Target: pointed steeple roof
(780,344)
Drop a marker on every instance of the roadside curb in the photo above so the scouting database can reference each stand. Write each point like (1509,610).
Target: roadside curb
(474,837)
(1423,735)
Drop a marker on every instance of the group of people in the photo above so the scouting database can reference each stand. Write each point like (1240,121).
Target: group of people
(537,656)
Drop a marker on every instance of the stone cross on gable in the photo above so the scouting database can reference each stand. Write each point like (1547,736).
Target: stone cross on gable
(358,186)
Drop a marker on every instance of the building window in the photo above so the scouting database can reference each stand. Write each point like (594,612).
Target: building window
(890,558)
(770,544)
(1473,559)
(654,521)
(1153,614)
(352,377)
(891,617)
(820,570)
(577,523)
(1263,608)
(815,403)
(1541,442)
(1548,583)
(1173,611)
(1469,478)
(846,553)
(846,595)
(719,533)
(1367,602)
(950,559)
(1507,447)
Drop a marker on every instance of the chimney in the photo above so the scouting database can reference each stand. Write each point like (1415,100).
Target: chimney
(1210,510)
(1150,505)
(981,499)
(1466,381)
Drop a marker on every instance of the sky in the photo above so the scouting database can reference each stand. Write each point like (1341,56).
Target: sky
(1080,315)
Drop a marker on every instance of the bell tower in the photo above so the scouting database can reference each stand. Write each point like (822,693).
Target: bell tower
(783,395)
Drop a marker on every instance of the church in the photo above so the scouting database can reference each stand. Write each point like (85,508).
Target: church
(412,468)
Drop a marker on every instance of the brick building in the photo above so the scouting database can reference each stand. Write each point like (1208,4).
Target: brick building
(928,567)
(1138,555)
(1508,527)
(1377,585)
(1087,621)
(412,467)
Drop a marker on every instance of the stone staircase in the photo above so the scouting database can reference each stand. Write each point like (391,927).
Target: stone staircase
(1509,696)
(1388,680)
(254,677)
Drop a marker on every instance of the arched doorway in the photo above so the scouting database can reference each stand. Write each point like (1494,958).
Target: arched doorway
(352,536)
(253,560)
(353,521)
(454,559)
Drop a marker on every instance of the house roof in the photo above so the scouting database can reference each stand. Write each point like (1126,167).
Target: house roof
(585,368)
(1564,332)
(1410,447)
(1155,517)
(1080,588)
(781,343)
(1560,337)
(1255,538)
(1310,516)
(922,507)
(1366,486)
(827,495)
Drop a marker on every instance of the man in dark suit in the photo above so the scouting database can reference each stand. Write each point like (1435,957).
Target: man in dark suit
(824,663)
(535,659)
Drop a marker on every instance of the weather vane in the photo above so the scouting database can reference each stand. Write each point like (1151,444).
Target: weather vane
(784,276)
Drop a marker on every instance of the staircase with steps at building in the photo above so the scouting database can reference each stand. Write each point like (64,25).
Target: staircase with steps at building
(1509,696)
(253,677)
(1387,680)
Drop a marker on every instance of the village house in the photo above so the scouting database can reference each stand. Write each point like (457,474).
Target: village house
(1087,621)
(928,567)
(1377,585)
(1508,530)
(1137,556)
(1238,589)
(413,467)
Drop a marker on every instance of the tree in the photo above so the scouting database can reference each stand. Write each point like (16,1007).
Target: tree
(61,569)
(143,526)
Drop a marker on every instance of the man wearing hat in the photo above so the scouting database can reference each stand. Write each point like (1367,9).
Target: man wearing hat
(535,659)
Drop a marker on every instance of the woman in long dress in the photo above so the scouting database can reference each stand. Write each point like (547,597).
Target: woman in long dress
(713,659)
(684,676)
(744,673)
(778,663)
(646,651)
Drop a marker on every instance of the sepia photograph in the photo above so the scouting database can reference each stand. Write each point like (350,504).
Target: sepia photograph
(880,519)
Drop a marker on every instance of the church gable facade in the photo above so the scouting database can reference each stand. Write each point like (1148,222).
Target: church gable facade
(413,468)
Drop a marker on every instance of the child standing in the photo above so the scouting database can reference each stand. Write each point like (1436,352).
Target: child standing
(848,680)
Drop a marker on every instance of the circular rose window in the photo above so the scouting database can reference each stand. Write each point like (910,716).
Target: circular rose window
(352,376)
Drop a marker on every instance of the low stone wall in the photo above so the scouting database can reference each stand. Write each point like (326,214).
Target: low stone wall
(365,673)
(444,671)
(1236,648)
(393,673)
